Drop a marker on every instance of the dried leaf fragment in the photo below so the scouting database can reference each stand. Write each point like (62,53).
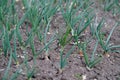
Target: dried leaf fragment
(81,53)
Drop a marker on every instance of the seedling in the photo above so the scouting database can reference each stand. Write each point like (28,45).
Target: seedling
(111,5)
(92,61)
(45,42)
(63,60)
(78,76)
(106,46)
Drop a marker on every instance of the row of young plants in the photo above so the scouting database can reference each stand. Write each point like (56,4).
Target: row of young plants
(77,14)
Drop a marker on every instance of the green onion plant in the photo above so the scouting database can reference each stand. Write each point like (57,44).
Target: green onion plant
(111,5)
(105,44)
(63,59)
(93,60)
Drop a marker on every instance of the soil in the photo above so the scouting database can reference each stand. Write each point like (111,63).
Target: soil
(107,69)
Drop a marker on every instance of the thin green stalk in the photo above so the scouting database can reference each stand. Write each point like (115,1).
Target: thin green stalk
(15,48)
(45,40)
(85,54)
(63,60)
(8,67)
(108,39)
